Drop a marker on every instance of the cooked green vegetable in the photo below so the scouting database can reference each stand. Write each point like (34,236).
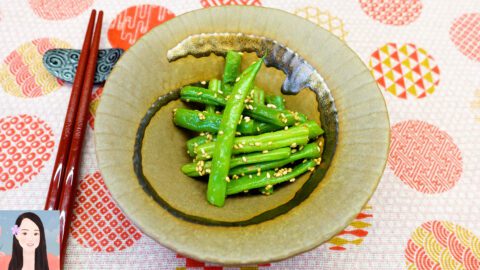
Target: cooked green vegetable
(201,168)
(263,113)
(276,101)
(214,85)
(210,122)
(269,178)
(267,141)
(199,140)
(245,135)
(231,71)
(201,95)
(309,151)
(222,153)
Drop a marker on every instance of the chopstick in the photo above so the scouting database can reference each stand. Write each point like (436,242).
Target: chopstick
(55,189)
(73,164)
(65,175)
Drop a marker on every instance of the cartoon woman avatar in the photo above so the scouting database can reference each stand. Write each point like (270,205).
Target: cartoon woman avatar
(29,251)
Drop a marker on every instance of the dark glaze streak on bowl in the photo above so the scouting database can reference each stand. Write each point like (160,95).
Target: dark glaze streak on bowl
(299,75)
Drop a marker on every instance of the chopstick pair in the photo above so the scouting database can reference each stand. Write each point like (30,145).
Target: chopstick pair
(67,163)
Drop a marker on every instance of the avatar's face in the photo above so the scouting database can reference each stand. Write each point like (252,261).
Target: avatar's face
(29,235)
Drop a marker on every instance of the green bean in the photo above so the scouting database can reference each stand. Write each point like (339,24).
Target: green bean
(201,95)
(266,190)
(214,85)
(267,141)
(197,120)
(199,140)
(258,96)
(231,70)
(217,182)
(277,101)
(201,168)
(262,113)
(268,178)
(311,150)
(210,122)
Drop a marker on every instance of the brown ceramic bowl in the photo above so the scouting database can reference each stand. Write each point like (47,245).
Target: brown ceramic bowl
(140,151)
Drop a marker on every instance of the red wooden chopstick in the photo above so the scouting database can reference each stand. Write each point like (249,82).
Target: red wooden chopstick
(72,167)
(55,189)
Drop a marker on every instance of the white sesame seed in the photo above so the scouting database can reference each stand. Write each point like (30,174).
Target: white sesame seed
(202,150)
(270,143)
(220,132)
(250,176)
(264,151)
(207,170)
(293,145)
(292,180)
(286,128)
(199,93)
(220,91)
(258,143)
(247,119)
(268,175)
(203,82)
(244,159)
(237,79)
(227,179)
(238,133)
(271,106)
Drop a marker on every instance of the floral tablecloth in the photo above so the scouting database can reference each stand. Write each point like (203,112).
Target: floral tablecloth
(424,54)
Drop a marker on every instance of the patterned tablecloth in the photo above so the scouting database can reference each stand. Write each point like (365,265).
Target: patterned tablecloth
(424,54)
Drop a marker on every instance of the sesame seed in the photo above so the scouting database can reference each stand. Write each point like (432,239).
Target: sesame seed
(294,151)
(270,143)
(242,174)
(271,106)
(187,100)
(218,112)
(207,171)
(292,180)
(202,134)
(238,96)
(282,115)
(286,128)
(199,93)
(237,79)
(238,133)
(235,146)
(304,161)
(285,120)
(258,129)
(300,148)
(268,175)
(227,179)
(203,82)
(195,144)
(250,176)
(268,187)
(264,151)
(293,145)
(245,191)
(244,159)
(311,169)
(220,132)
(258,143)
(202,150)
(247,119)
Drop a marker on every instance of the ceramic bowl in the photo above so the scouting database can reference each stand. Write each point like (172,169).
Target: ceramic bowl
(140,151)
